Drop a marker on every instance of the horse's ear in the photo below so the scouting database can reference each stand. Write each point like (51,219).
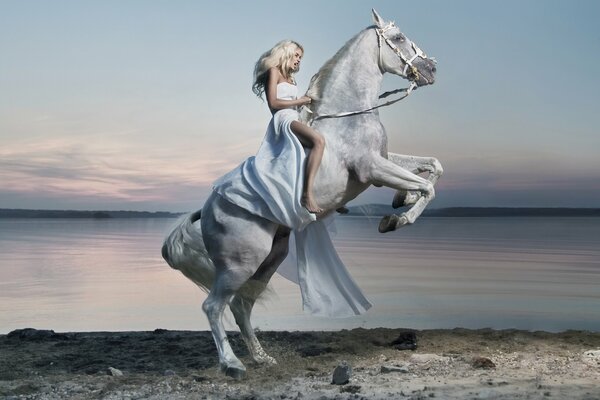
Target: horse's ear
(377,18)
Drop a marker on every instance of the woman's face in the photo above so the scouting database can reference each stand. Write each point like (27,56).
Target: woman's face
(294,63)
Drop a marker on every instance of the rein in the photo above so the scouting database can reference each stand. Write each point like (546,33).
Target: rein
(408,90)
(412,75)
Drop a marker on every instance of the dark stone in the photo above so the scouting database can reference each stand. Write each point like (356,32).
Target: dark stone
(482,363)
(405,341)
(341,374)
(200,378)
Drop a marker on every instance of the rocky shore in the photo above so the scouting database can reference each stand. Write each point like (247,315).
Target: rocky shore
(348,364)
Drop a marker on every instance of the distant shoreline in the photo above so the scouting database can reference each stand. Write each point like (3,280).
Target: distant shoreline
(373,210)
(23,213)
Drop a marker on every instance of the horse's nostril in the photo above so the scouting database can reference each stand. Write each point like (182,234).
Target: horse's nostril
(433,69)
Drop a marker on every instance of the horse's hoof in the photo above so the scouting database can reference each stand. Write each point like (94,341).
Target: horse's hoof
(399,198)
(235,372)
(392,222)
(388,223)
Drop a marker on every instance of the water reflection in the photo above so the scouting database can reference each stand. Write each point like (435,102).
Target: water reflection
(529,273)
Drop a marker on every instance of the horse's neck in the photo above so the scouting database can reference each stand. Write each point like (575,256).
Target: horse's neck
(350,81)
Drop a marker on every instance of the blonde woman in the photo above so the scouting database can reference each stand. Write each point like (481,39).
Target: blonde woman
(278,182)
(277,67)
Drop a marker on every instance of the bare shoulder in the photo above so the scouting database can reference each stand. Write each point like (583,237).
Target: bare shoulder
(275,75)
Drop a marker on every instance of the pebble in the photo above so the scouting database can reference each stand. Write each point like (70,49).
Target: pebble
(482,363)
(592,357)
(386,369)
(200,378)
(114,372)
(341,374)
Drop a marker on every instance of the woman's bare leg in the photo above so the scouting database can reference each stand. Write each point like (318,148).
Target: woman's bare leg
(315,141)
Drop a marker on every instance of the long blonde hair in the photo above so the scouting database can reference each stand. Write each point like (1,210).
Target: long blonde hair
(279,56)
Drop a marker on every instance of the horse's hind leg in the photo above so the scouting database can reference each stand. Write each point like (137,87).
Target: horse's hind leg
(221,293)
(238,244)
(243,301)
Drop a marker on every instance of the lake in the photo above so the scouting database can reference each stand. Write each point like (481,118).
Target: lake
(536,273)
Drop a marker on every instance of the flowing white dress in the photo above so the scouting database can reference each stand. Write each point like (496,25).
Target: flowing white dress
(270,185)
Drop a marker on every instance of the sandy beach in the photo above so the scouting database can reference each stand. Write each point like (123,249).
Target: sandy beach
(381,363)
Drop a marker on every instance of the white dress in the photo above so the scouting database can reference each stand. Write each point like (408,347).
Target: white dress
(270,185)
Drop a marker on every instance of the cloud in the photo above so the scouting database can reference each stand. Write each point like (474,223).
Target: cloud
(118,166)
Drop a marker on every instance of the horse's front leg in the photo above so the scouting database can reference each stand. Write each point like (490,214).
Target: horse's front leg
(416,165)
(384,172)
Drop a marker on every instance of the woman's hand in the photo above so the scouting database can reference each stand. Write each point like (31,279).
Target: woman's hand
(305,100)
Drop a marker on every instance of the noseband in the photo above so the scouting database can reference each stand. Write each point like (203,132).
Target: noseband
(413,74)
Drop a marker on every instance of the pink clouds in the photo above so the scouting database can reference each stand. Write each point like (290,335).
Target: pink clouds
(111,166)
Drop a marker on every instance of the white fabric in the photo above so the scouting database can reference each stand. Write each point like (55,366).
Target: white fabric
(270,185)
(327,288)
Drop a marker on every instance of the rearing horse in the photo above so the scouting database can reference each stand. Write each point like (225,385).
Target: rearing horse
(232,253)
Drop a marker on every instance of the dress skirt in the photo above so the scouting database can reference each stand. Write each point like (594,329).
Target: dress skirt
(270,185)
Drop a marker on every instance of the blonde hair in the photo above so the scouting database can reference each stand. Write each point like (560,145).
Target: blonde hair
(279,57)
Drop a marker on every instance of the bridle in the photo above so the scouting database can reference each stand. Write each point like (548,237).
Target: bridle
(410,72)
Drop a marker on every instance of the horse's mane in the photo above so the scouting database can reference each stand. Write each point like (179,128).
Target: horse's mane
(319,81)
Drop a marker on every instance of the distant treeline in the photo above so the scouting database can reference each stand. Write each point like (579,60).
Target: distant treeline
(18,213)
(382,209)
(365,210)
(513,212)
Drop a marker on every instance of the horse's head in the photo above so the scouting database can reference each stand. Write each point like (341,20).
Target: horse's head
(401,56)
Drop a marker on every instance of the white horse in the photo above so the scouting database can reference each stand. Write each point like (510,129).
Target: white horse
(232,253)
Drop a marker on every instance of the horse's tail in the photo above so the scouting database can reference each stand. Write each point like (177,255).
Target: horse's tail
(183,249)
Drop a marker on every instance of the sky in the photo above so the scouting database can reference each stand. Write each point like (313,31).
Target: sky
(141,105)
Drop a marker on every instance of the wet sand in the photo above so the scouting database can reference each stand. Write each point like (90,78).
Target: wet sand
(446,364)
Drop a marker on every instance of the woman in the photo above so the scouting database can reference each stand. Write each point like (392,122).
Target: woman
(277,67)
(277,184)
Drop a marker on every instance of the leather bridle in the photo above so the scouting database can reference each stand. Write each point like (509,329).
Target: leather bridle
(410,72)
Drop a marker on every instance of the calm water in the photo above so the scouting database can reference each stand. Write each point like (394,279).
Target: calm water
(527,273)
